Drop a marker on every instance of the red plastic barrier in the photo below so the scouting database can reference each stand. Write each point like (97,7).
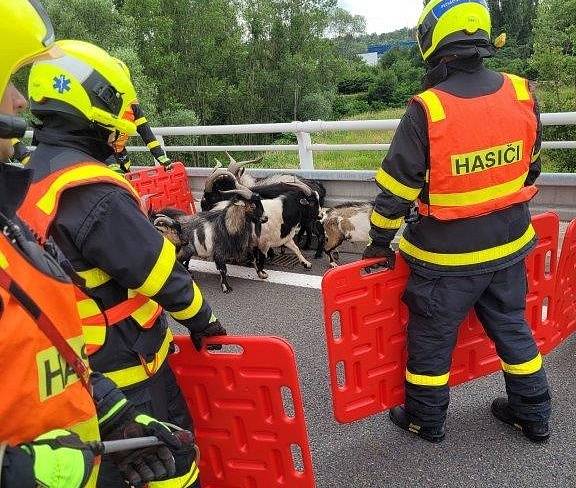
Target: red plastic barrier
(565,296)
(163,188)
(367,342)
(250,432)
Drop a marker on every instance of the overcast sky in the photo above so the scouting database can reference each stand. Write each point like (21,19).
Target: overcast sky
(385,15)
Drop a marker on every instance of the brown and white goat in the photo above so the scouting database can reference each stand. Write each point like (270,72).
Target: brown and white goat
(346,222)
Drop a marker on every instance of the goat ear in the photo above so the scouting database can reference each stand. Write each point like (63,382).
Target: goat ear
(304,202)
(240,203)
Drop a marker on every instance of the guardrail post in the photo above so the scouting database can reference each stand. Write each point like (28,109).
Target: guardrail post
(305,151)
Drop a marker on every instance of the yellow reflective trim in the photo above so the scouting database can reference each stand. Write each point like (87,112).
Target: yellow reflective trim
(48,201)
(87,308)
(145,312)
(25,160)
(140,121)
(385,223)
(478,196)
(161,270)
(468,258)
(529,367)
(536,156)
(183,481)
(425,380)
(3,261)
(434,105)
(520,87)
(14,141)
(136,374)
(152,145)
(94,335)
(88,431)
(192,309)
(94,277)
(393,185)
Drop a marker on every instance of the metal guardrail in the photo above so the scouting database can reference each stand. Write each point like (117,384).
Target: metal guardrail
(303,131)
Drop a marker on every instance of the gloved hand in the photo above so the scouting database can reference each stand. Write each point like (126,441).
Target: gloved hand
(165,161)
(61,459)
(154,463)
(214,328)
(375,251)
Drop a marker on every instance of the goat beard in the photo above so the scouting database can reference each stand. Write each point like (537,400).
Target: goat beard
(235,219)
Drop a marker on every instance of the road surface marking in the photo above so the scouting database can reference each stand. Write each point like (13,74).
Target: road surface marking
(278,277)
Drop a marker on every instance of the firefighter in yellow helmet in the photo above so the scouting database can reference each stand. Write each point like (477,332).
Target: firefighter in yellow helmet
(130,274)
(468,151)
(51,404)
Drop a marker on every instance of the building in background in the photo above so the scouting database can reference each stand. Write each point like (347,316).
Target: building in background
(376,51)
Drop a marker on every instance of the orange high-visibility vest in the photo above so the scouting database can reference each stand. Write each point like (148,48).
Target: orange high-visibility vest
(40,390)
(39,211)
(480,150)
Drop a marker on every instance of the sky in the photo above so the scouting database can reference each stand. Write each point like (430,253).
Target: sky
(385,15)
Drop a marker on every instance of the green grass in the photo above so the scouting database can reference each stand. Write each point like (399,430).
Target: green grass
(342,159)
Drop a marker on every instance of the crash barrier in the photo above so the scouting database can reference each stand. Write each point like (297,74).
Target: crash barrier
(161,187)
(247,407)
(565,296)
(365,323)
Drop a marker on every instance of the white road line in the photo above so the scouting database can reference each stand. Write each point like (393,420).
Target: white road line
(278,277)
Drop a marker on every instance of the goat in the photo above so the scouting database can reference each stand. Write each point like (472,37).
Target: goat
(346,222)
(309,226)
(285,205)
(223,234)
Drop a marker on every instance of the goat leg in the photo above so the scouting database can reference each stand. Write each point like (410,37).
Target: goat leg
(260,259)
(296,250)
(221,266)
(321,240)
(304,231)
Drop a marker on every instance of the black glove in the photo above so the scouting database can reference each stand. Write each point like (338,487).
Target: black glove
(141,466)
(376,251)
(214,329)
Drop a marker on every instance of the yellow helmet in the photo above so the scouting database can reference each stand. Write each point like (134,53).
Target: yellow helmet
(26,34)
(446,21)
(85,82)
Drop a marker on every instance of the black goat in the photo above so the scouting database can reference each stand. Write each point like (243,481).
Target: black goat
(224,234)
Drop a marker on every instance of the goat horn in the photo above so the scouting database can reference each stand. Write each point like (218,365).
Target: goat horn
(234,166)
(304,187)
(246,194)
(218,164)
(217,173)
(161,219)
(241,190)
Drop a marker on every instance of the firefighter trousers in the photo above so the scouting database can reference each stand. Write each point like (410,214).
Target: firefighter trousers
(437,306)
(161,398)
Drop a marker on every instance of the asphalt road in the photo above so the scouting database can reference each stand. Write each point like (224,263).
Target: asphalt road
(477,452)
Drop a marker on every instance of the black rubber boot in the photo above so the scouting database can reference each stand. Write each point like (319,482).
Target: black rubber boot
(402,419)
(533,431)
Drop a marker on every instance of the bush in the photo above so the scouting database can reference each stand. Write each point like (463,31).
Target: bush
(382,89)
(564,160)
(316,106)
(356,82)
(345,106)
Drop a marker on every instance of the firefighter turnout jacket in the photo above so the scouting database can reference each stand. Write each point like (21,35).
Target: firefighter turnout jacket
(129,271)
(41,391)
(468,151)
